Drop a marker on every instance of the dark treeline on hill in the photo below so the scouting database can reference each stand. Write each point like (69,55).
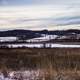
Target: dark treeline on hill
(29,34)
(59,32)
(18,33)
(33,34)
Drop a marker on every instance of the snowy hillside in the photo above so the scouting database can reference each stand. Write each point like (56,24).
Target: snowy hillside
(43,38)
(4,39)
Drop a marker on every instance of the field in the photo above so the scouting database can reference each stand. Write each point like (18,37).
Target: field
(54,64)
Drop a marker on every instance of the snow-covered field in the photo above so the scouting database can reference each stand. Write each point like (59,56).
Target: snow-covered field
(38,44)
(49,45)
(43,38)
(40,39)
(4,39)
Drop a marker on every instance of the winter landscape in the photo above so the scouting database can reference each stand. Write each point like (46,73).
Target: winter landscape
(39,39)
(40,55)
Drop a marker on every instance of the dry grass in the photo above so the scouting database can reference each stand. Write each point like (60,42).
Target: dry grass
(54,63)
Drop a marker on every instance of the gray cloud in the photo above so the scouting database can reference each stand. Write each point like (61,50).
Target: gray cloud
(70,11)
(62,21)
(74,20)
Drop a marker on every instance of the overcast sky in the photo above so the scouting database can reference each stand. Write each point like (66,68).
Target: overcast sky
(39,14)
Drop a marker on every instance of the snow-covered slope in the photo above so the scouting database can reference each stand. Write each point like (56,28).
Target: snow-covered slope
(3,39)
(43,38)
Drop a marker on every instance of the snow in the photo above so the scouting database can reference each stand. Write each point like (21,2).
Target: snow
(48,45)
(40,39)
(3,39)
(22,75)
(44,38)
(38,45)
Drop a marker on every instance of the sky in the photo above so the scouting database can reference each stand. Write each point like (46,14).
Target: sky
(39,14)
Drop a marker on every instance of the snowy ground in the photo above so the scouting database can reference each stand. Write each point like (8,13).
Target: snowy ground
(21,75)
(39,44)
(38,75)
(43,38)
(48,45)
(4,39)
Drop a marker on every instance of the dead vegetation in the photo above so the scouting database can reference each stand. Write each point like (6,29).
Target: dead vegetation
(55,64)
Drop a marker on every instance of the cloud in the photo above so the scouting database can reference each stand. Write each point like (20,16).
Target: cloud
(67,20)
(39,17)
